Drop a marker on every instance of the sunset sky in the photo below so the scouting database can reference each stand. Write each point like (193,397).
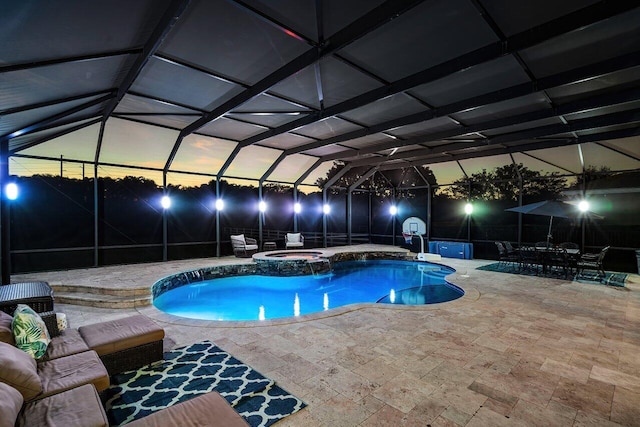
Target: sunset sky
(134,144)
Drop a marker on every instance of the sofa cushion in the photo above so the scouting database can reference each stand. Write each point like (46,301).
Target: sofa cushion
(208,409)
(30,332)
(72,371)
(78,407)
(293,238)
(19,370)
(238,239)
(68,342)
(6,333)
(10,404)
(121,334)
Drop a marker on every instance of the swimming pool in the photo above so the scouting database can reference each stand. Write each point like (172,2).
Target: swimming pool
(256,297)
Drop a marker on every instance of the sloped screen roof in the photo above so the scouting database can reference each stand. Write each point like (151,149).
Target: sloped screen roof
(271,90)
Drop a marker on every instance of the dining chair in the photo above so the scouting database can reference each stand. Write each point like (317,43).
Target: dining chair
(591,261)
(529,259)
(504,257)
(557,259)
(509,247)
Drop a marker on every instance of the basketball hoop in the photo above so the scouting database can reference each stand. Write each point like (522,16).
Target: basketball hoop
(414,226)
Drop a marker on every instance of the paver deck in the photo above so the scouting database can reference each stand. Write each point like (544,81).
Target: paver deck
(515,350)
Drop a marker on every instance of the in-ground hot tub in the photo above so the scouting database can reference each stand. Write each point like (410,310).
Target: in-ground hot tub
(291,263)
(302,262)
(294,254)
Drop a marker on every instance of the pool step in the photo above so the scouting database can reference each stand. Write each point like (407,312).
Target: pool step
(91,296)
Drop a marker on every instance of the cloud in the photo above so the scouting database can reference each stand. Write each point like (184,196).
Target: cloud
(202,144)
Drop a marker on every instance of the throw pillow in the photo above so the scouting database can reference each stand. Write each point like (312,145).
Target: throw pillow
(6,334)
(293,237)
(238,238)
(30,332)
(20,371)
(10,404)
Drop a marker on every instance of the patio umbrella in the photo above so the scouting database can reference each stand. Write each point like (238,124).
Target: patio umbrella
(553,208)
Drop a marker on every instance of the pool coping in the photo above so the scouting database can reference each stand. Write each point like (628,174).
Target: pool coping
(471,294)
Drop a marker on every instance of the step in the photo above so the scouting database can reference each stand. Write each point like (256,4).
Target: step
(88,299)
(85,289)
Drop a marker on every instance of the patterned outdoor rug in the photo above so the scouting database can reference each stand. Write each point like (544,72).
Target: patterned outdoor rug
(588,276)
(192,370)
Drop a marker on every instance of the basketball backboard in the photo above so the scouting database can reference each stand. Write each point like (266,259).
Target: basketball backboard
(414,225)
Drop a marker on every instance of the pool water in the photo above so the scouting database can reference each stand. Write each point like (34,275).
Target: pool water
(268,297)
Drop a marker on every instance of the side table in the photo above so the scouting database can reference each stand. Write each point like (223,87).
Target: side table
(269,246)
(37,295)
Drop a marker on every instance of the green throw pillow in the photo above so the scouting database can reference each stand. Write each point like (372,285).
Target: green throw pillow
(29,331)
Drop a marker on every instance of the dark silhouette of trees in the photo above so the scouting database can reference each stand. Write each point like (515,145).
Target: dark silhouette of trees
(501,183)
(381,183)
(592,173)
(59,213)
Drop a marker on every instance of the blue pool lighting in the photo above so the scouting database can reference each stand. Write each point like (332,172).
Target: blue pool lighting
(257,297)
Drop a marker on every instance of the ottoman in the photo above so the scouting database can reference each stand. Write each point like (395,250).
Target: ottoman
(208,409)
(77,407)
(125,344)
(269,246)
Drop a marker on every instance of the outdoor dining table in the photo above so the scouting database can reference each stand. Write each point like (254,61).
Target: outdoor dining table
(544,255)
(547,251)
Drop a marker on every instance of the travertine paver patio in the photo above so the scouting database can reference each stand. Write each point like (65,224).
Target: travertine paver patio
(514,351)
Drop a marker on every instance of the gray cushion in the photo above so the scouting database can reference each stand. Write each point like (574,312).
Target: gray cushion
(294,238)
(208,409)
(6,334)
(10,404)
(72,371)
(68,342)
(19,370)
(78,407)
(121,334)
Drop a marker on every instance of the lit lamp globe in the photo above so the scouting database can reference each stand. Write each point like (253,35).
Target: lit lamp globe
(11,191)
(219,204)
(297,208)
(393,210)
(583,206)
(468,208)
(165,202)
(262,206)
(326,209)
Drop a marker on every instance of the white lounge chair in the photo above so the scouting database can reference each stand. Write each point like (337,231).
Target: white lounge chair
(243,246)
(293,240)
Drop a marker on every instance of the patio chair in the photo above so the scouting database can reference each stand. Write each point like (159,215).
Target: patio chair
(293,240)
(504,257)
(569,245)
(529,259)
(591,261)
(558,259)
(243,247)
(573,254)
(509,247)
(543,245)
